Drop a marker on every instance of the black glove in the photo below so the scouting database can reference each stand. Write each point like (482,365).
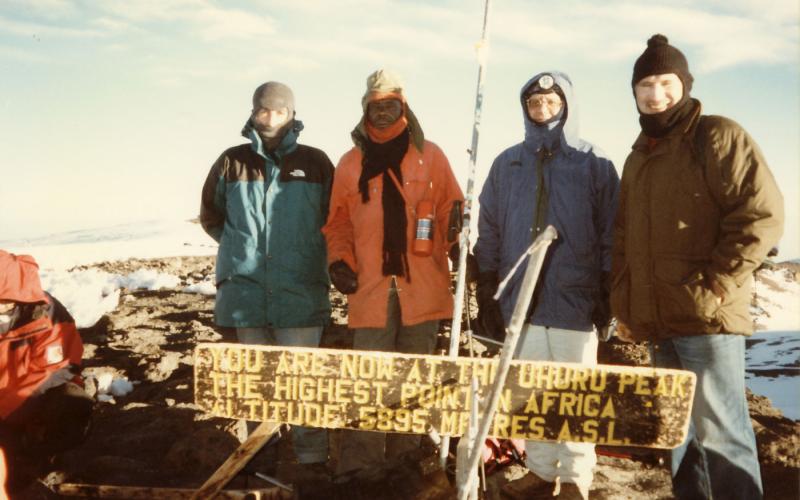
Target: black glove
(490,318)
(601,315)
(472,263)
(343,278)
(62,420)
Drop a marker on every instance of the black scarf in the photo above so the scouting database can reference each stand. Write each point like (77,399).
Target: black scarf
(378,159)
(660,124)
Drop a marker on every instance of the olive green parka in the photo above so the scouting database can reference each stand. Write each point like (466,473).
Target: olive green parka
(697,206)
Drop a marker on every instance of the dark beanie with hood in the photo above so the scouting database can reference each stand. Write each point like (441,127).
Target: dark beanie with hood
(660,58)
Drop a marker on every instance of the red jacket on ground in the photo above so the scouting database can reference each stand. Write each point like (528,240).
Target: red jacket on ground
(42,346)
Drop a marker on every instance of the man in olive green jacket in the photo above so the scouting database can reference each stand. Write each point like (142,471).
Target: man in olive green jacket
(699,210)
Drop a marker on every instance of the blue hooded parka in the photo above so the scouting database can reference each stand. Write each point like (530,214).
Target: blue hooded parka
(582,187)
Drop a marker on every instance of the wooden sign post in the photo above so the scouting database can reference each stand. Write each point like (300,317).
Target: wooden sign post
(406,393)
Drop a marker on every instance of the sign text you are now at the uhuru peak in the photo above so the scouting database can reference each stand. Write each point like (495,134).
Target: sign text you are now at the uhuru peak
(407,393)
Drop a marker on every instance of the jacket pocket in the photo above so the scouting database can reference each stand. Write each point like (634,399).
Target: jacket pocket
(574,295)
(577,276)
(303,262)
(685,303)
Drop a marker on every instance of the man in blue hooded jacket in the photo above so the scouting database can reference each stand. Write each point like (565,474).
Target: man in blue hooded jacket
(552,178)
(265,203)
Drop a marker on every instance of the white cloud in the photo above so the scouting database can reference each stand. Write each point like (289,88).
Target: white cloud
(322,8)
(151,10)
(202,17)
(40,30)
(301,63)
(48,9)
(110,24)
(378,31)
(617,30)
(214,23)
(715,34)
(23,55)
(413,41)
(772,12)
(178,76)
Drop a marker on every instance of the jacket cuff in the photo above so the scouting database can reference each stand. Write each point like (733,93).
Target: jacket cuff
(348,259)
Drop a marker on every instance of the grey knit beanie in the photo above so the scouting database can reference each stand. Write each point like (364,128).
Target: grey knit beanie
(274,95)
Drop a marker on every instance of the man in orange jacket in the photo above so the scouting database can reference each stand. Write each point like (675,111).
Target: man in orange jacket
(43,407)
(387,238)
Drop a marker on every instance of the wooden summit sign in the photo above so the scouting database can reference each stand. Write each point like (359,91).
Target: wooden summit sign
(408,393)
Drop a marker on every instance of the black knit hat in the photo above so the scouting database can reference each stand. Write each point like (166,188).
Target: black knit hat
(660,58)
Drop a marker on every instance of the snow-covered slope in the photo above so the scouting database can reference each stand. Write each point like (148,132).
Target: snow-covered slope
(145,240)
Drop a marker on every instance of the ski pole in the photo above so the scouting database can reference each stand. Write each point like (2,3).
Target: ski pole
(458,301)
(536,254)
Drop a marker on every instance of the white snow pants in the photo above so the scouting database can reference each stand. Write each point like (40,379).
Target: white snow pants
(572,462)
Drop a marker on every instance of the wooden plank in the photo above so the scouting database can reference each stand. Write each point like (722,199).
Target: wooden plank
(142,492)
(407,393)
(236,461)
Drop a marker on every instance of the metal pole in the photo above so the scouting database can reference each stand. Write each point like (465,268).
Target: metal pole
(536,254)
(458,304)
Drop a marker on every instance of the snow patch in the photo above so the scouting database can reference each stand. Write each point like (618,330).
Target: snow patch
(777,295)
(203,287)
(773,351)
(121,387)
(773,369)
(89,294)
(110,385)
(148,279)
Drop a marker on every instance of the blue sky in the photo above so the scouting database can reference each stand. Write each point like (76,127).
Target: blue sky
(113,112)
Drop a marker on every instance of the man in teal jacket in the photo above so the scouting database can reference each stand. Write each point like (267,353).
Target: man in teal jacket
(265,203)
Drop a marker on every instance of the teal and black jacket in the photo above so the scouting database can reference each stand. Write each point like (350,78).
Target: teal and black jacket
(266,210)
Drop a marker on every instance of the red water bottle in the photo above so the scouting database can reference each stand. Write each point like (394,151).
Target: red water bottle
(423,241)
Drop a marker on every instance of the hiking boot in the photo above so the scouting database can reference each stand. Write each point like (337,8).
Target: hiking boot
(530,487)
(570,491)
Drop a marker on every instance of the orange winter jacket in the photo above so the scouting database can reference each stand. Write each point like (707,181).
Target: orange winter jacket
(42,346)
(354,234)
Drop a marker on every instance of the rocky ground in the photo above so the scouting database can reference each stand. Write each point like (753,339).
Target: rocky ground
(156,436)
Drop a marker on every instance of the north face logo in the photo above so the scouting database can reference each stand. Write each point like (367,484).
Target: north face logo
(297,173)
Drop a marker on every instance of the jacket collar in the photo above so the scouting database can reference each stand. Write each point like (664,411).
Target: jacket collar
(287,145)
(359,134)
(27,319)
(684,128)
